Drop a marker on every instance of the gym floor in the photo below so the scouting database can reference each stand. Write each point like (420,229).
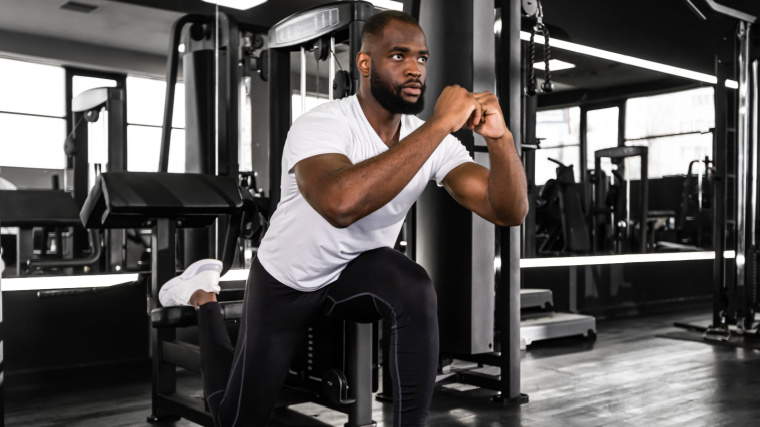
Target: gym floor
(629,377)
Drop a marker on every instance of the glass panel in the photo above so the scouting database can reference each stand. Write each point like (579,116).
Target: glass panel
(671,155)
(32,142)
(602,132)
(311,102)
(672,113)
(80,84)
(31,88)
(559,131)
(546,169)
(144,146)
(145,102)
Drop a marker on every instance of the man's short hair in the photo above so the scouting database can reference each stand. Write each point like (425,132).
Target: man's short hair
(375,25)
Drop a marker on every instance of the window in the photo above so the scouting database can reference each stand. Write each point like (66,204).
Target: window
(559,132)
(32,115)
(145,115)
(675,127)
(311,102)
(601,132)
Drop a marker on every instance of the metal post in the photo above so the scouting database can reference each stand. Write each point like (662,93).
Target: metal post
(720,162)
(509,93)
(742,165)
(279,118)
(331,68)
(360,373)
(303,80)
(163,253)
(2,361)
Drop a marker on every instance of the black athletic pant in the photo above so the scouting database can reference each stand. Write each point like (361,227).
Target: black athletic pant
(241,384)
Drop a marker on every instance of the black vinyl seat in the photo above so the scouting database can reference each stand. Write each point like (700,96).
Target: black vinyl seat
(136,199)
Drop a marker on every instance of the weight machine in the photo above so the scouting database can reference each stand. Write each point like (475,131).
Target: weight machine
(340,368)
(735,195)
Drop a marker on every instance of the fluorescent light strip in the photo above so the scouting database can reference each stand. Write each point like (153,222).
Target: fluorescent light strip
(630,60)
(554,65)
(388,4)
(88,281)
(65,282)
(619,259)
(237,4)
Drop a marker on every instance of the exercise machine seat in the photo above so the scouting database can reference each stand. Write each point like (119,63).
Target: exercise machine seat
(136,199)
(177,317)
(38,208)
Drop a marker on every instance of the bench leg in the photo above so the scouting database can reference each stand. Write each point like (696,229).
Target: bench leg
(360,374)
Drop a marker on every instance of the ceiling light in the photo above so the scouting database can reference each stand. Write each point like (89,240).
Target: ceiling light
(630,60)
(237,4)
(554,65)
(387,4)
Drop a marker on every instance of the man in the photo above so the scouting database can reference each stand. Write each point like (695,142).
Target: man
(352,168)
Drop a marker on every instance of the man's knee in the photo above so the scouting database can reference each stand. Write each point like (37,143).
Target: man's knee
(410,287)
(418,293)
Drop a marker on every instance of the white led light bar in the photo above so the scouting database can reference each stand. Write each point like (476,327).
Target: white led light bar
(388,4)
(630,60)
(620,259)
(65,282)
(554,65)
(237,4)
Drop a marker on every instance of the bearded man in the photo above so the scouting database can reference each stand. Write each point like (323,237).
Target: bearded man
(351,169)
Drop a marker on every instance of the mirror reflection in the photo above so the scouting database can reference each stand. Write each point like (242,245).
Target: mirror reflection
(592,195)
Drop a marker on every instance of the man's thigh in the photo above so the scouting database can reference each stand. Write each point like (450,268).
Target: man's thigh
(373,284)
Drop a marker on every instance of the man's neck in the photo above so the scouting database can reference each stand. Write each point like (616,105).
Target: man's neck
(386,124)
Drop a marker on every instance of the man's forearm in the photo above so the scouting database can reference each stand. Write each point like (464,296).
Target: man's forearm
(360,189)
(507,186)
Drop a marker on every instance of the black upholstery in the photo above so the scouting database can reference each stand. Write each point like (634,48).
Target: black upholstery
(134,199)
(38,208)
(177,317)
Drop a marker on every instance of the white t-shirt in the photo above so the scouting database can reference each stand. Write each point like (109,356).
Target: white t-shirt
(304,251)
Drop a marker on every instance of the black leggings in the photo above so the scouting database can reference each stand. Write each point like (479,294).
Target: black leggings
(241,384)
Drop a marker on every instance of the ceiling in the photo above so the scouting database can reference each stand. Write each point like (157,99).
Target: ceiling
(664,31)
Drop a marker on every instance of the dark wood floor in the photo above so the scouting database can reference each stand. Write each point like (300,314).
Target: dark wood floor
(628,377)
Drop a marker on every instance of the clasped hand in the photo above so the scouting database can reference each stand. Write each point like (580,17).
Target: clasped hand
(480,112)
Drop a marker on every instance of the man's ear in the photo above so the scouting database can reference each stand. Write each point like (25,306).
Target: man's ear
(363,63)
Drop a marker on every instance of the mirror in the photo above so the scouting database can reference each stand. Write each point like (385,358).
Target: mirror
(598,104)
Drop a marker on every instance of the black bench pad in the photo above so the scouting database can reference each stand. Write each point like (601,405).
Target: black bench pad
(176,317)
(38,208)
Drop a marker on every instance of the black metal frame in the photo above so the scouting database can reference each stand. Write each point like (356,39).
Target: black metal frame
(617,154)
(117,145)
(735,283)
(358,357)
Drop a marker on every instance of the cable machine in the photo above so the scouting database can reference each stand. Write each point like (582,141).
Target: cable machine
(335,343)
(735,196)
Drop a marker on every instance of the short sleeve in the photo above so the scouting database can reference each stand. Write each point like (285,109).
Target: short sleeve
(449,154)
(314,133)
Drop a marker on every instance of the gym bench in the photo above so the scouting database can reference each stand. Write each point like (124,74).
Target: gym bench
(164,202)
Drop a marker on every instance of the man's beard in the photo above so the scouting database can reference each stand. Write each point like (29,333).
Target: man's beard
(389,96)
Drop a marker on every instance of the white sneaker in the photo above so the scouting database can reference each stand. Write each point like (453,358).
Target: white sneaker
(203,274)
